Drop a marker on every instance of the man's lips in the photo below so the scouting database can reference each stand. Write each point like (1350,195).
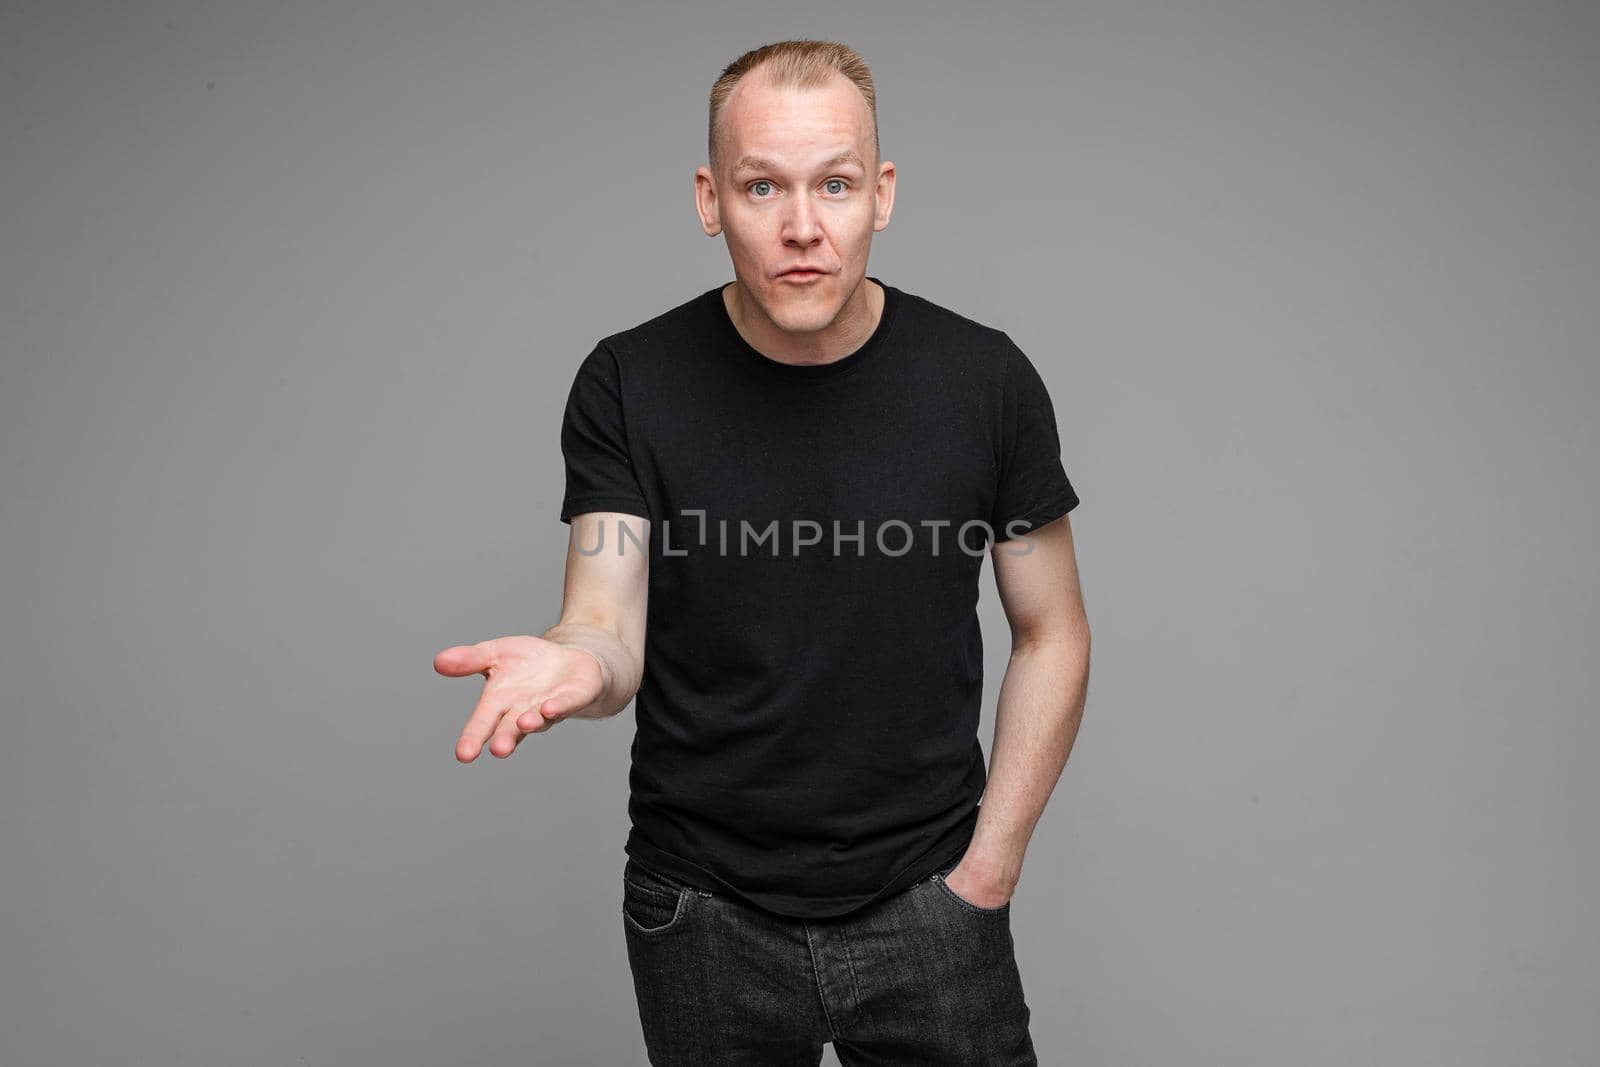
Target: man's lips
(802,272)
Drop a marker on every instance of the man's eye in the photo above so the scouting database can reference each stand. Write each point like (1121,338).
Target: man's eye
(755,186)
(836,181)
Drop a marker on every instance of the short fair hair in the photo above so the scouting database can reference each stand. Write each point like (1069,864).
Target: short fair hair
(793,64)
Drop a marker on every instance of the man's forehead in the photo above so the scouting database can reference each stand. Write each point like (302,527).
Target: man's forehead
(840,158)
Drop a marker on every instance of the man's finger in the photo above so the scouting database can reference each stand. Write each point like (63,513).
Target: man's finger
(531,722)
(458,661)
(550,711)
(506,736)
(492,706)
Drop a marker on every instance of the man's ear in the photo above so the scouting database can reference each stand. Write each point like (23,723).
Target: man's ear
(705,201)
(885,195)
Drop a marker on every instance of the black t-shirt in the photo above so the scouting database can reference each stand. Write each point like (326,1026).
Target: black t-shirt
(807,722)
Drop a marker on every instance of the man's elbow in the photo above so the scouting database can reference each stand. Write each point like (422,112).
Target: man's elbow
(1071,637)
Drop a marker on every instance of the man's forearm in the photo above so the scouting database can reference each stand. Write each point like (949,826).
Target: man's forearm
(620,668)
(1036,722)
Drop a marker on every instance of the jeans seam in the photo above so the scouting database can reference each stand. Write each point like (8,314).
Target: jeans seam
(817,971)
(855,987)
(665,928)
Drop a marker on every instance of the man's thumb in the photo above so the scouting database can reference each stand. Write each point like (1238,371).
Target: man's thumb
(458,661)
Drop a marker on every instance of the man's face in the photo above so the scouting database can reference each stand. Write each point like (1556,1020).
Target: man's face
(794,190)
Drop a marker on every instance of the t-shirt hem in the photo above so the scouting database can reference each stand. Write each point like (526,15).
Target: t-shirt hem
(628,505)
(946,849)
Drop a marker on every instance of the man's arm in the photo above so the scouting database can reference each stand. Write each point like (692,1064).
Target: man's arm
(604,601)
(1040,705)
(588,665)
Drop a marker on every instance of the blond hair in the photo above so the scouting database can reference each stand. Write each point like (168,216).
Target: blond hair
(794,64)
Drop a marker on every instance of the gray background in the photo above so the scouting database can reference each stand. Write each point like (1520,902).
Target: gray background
(291,297)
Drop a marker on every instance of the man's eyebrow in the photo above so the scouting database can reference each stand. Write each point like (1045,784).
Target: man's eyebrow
(758,163)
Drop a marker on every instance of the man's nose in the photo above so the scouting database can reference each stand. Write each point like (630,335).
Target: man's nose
(800,223)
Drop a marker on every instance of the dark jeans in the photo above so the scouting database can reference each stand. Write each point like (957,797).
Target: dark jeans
(923,977)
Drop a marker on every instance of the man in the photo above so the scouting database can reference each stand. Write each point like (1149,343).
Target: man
(781,493)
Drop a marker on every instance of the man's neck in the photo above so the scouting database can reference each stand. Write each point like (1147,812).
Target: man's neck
(855,323)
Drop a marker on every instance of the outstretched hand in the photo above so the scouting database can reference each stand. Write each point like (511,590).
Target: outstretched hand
(532,684)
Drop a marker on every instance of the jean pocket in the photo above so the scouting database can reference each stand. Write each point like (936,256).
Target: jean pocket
(950,894)
(652,904)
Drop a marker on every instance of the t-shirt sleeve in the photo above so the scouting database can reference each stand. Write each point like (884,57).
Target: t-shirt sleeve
(594,443)
(1033,488)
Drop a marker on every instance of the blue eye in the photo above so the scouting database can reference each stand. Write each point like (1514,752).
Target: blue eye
(754,184)
(835,181)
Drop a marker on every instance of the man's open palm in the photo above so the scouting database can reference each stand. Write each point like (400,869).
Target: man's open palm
(532,685)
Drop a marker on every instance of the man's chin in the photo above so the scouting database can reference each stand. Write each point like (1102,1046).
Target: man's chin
(808,310)
(794,320)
